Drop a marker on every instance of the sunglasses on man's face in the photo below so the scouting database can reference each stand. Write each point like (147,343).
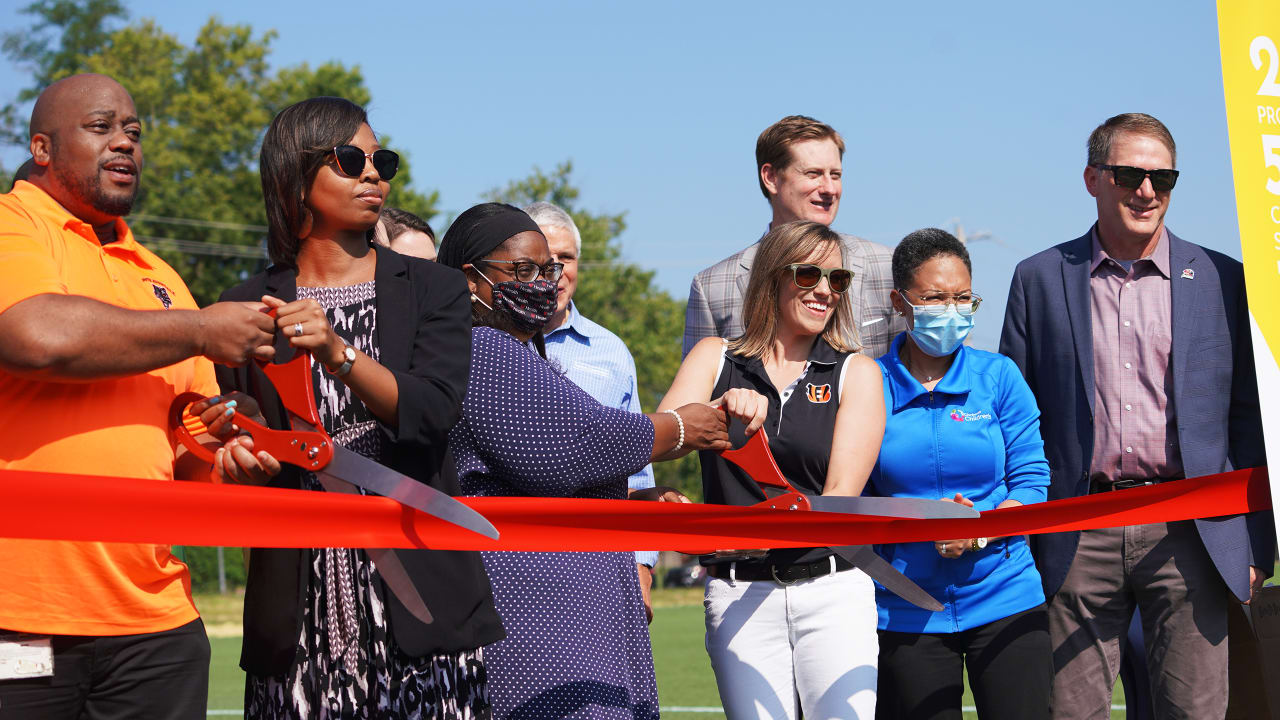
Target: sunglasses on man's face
(351,161)
(807,276)
(1130,178)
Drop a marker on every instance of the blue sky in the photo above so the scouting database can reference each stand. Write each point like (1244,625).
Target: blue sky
(969,111)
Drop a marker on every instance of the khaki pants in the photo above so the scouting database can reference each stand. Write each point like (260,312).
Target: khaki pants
(1163,570)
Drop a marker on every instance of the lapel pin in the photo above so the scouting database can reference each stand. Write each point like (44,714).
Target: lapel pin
(1189,274)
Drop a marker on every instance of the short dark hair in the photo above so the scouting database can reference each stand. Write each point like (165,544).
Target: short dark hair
(399,222)
(1099,147)
(773,147)
(922,246)
(295,147)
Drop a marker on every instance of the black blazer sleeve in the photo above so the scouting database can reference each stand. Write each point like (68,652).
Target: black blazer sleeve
(432,388)
(424,339)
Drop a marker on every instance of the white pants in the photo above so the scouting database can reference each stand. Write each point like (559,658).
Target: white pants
(814,641)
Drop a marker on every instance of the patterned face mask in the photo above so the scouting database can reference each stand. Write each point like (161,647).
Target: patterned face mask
(529,304)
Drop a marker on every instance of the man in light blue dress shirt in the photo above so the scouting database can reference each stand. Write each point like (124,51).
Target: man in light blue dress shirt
(595,359)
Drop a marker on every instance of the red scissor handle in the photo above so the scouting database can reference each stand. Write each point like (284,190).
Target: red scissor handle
(307,450)
(755,458)
(292,380)
(310,450)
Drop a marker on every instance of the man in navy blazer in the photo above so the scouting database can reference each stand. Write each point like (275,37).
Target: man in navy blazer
(1137,346)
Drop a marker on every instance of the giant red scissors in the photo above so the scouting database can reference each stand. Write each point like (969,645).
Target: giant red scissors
(307,446)
(757,460)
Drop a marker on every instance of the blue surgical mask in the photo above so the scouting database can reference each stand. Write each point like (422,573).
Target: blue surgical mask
(939,330)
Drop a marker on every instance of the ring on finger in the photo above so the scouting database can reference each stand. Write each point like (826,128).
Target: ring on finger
(297,330)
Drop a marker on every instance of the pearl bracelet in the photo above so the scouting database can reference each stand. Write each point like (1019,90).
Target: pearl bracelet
(680,425)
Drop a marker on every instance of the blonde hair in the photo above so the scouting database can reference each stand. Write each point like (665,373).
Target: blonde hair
(794,242)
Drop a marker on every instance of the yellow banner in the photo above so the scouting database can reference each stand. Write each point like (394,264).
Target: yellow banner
(1249,40)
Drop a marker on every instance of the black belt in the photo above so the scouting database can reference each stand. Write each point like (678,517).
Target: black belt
(1097,486)
(784,574)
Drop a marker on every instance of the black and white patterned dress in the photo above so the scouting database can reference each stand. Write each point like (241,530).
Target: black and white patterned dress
(347,664)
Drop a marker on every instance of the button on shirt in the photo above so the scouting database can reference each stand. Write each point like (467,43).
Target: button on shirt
(598,361)
(1134,435)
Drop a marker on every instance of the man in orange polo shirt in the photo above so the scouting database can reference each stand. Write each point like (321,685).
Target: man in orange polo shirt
(99,335)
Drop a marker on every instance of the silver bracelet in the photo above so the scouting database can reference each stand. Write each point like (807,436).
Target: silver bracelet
(679,424)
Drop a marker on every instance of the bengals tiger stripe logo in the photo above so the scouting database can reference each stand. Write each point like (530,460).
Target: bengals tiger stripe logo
(818,393)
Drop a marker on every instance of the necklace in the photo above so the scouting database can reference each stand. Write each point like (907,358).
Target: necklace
(906,361)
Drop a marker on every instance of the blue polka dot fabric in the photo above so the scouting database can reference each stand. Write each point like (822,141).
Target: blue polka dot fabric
(577,643)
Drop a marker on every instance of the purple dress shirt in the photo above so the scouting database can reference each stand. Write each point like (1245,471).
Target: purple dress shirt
(1134,431)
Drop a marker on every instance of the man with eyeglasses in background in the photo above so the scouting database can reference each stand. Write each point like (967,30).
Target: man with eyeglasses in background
(798,166)
(1136,344)
(595,359)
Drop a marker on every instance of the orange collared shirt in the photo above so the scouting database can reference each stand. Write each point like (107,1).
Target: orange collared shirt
(107,427)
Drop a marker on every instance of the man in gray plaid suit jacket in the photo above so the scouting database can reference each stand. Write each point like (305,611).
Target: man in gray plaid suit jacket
(799,161)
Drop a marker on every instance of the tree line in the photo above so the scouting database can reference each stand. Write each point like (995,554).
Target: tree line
(205,107)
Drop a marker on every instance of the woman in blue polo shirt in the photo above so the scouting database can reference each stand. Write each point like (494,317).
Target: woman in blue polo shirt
(961,425)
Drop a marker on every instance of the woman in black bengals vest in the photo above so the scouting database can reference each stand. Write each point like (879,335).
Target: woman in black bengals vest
(795,624)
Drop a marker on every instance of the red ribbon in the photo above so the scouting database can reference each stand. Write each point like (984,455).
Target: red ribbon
(50,506)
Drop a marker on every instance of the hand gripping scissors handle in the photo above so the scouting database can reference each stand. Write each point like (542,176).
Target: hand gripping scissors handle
(757,460)
(307,446)
(312,449)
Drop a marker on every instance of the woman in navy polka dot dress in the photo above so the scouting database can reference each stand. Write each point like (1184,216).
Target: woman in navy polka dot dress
(577,639)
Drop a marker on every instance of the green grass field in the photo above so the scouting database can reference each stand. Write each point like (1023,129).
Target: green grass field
(684,672)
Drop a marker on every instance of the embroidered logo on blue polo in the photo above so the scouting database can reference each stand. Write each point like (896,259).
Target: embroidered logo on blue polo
(961,416)
(818,393)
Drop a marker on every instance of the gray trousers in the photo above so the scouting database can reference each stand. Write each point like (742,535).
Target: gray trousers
(1163,570)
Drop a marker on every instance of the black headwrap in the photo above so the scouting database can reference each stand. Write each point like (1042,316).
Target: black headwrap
(476,232)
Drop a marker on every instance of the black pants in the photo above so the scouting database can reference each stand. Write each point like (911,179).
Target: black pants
(1010,664)
(151,676)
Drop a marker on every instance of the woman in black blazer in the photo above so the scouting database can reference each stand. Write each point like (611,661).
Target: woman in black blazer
(391,340)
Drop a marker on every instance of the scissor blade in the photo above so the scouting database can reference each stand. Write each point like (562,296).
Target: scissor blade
(388,565)
(360,470)
(386,562)
(866,559)
(892,507)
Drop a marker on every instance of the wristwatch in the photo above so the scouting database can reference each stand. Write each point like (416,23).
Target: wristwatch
(348,359)
(978,544)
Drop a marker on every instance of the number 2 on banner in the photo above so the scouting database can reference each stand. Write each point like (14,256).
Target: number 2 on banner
(1256,48)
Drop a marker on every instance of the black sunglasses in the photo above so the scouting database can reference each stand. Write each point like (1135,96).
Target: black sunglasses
(808,275)
(1130,178)
(351,161)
